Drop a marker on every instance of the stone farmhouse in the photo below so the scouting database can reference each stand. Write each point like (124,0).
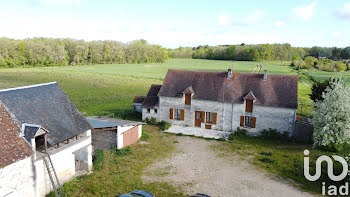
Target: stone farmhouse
(223,100)
(44,140)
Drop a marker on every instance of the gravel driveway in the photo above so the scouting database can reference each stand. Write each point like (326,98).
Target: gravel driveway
(197,168)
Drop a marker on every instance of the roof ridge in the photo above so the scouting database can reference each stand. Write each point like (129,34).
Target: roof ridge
(199,70)
(269,74)
(30,86)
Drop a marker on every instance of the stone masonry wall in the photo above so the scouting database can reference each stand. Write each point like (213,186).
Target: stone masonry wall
(228,114)
(104,140)
(166,103)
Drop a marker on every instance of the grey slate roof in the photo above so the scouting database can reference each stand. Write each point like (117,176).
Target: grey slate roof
(102,122)
(29,132)
(48,106)
(151,100)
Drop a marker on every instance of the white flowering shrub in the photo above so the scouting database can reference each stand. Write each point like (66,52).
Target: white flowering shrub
(331,117)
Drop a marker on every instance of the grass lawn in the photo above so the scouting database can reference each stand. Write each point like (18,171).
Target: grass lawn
(110,88)
(323,75)
(284,159)
(122,174)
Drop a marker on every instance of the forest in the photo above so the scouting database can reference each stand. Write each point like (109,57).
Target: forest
(259,52)
(60,52)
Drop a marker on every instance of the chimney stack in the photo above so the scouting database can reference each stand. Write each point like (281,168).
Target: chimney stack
(229,73)
(265,75)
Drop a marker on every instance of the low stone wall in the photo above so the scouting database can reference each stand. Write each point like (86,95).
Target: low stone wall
(104,140)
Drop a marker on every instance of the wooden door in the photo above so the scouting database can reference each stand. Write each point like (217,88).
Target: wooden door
(197,118)
(130,136)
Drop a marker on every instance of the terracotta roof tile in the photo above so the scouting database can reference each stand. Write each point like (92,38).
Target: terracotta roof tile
(13,147)
(250,96)
(277,90)
(188,90)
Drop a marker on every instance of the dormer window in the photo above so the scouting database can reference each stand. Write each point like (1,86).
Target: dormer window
(249,106)
(188,93)
(187,99)
(36,136)
(249,101)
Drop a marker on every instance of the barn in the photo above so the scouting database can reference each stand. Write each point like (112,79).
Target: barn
(44,140)
(111,132)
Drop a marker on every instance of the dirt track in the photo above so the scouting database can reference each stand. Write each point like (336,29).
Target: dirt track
(197,168)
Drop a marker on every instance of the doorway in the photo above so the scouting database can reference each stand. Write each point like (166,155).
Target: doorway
(198,118)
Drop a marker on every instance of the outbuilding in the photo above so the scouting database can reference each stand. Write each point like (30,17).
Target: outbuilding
(44,140)
(111,132)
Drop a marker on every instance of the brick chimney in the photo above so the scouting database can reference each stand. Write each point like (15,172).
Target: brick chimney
(265,75)
(229,73)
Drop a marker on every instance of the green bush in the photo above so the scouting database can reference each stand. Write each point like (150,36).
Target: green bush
(310,61)
(273,134)
(179,134)
(340,66)
(164,125)
(146,120)
(98,159)
(231,137)
(153,121)
(241,132)
(121,152)
(303,65)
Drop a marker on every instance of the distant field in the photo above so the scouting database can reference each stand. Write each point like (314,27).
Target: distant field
(158,70)
(110,88)
(322,75)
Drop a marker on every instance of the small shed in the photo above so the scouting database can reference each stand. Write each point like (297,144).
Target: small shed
(138,100)
(110,132)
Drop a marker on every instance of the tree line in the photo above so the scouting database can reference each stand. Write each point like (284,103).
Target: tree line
(60,52)
(259,52)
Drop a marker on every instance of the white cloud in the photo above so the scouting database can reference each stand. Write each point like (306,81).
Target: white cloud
(336,34)
(305,12)
(344,12)
(253,17)
(279,23)
(223,20)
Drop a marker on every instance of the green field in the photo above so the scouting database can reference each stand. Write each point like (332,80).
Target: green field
(110,88)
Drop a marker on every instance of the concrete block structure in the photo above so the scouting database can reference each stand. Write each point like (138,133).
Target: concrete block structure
(39,122)
(110,132)
(224,100)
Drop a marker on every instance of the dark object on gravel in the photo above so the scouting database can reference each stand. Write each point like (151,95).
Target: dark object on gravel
(138,193)
(199,195)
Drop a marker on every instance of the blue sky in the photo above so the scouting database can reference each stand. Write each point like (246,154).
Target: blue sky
(181,23)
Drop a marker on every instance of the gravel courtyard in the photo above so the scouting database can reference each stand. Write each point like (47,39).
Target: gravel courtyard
(196,167)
